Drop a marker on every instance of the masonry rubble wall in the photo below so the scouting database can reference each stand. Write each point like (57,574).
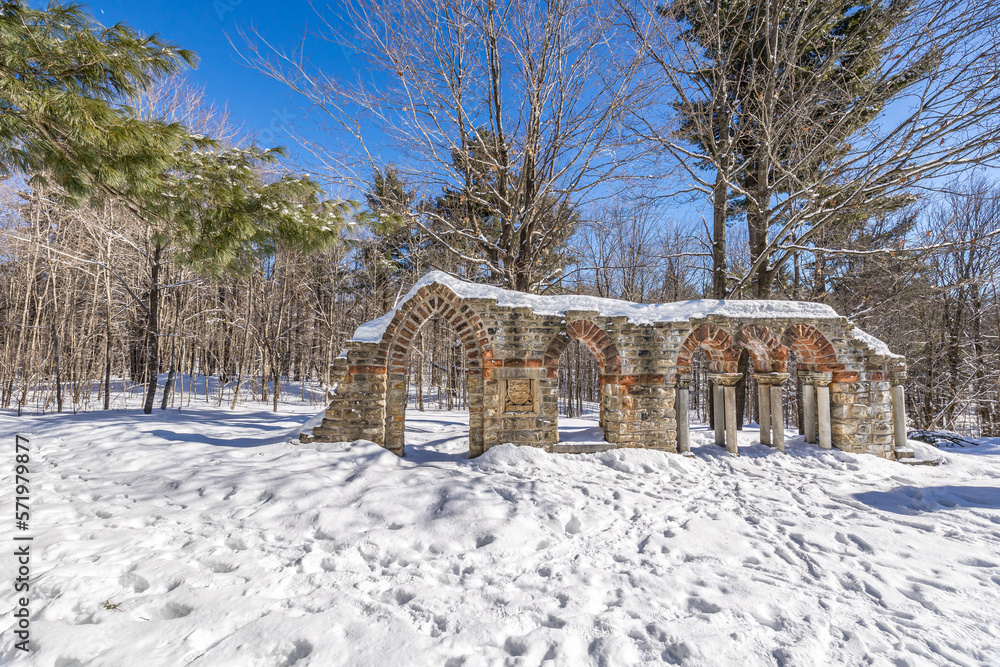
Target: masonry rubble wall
(513,352)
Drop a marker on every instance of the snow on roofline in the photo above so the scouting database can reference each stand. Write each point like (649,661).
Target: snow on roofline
(874,344)
(637,313)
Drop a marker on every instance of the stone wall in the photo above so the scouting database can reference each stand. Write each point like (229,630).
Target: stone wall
(513,355)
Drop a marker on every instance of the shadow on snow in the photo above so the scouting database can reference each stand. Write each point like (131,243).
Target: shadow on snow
(916,500)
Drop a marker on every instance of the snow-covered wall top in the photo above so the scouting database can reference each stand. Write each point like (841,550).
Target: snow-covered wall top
(637,313)
(874,343)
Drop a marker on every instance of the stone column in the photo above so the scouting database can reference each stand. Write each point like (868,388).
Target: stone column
(808,406)
(777,381)
(822,383)
(896,379)
(764,407)
(718,411)
(727,383)
(683,400)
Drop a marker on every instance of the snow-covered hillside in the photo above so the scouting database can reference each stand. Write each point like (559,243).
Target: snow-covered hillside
(224,544)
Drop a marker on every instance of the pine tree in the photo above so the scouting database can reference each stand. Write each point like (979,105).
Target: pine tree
(783,104)
(68,92)
(390,247)
(66,83)
(522,234)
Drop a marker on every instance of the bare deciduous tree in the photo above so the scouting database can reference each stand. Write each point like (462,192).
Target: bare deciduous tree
(516,107)
(820,112)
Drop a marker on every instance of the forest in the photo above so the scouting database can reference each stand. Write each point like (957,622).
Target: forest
(835,151)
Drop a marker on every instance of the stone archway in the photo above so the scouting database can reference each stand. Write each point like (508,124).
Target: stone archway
(430,302)
(608,360)
(816,363)
(513,341)
(769,354)
(810,345)
(717,345)
(770,359)
(723,359)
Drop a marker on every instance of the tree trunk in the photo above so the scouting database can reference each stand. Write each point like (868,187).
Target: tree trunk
(152,330)
(719,272)
(58,362)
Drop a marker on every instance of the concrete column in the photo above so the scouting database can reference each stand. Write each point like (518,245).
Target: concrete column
(777,381)
(822,383)
(719,412)
(726,382)
(808,406)
(764,407)
(683,401)
(898,409)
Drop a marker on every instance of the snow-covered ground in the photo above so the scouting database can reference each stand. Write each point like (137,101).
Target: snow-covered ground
(223,544)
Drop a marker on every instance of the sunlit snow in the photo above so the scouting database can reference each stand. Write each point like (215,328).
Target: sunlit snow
(225,544)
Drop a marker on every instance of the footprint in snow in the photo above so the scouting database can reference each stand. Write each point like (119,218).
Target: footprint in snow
(134,581)
(515,646)
(286,654)
(174,610)
(861,544)
(703,606)
(219,566)
(236,543)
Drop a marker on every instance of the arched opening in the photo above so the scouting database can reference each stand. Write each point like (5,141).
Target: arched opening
(701,390)
(580,410)
(762,362)
(713,379)
(460,345)
(436,413)
(583,361)
(791,396)
(812,360)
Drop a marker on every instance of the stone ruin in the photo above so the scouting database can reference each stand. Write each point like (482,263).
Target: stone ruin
(852,384)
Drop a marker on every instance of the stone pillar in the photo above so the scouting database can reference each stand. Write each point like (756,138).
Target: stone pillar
(777,381)
(731,430)
(764,407)
(822,383)
(896,379)
(718,411)
(727,383)
(808,406)
(683,400)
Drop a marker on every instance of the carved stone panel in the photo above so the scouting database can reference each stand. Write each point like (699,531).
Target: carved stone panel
(519,396)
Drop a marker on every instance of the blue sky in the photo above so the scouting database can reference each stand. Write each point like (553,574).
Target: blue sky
(206,26)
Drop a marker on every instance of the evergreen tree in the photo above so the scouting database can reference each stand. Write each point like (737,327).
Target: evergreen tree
(390,246)
(68,92)
(792,85)
(522,234)
(66,83)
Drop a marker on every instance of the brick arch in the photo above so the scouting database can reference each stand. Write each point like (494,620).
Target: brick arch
(768,352)
(717,344)
(429,302)
(432,301)
(811,348)
(608,357)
